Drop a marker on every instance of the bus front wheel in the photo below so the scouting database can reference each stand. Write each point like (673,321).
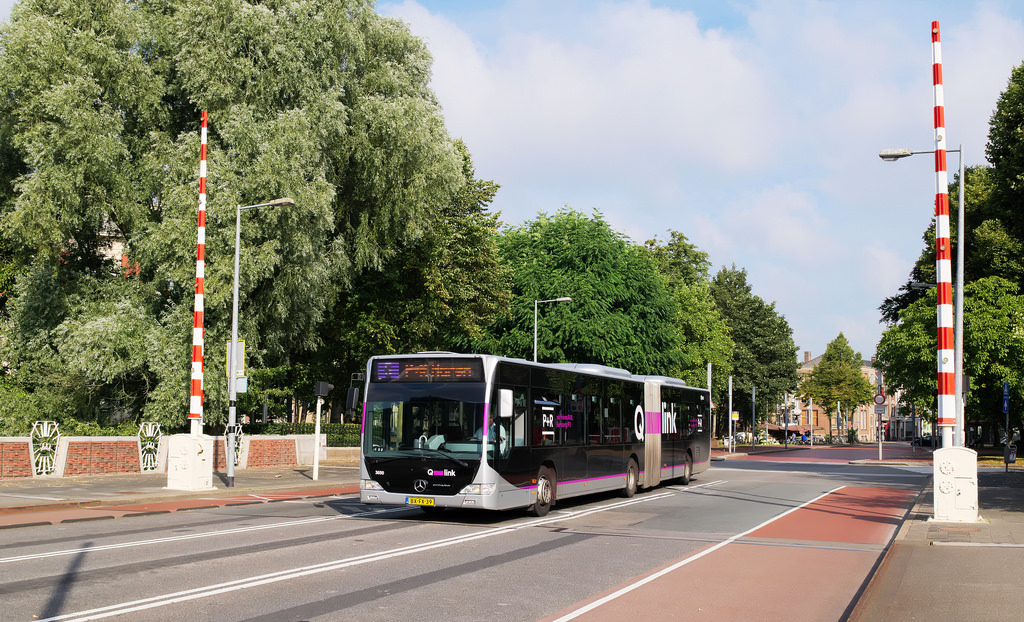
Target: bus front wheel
(632,476)
(545,492)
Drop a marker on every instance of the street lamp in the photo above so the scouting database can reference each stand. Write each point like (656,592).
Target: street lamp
(891,155)
(535,303)
(232,364)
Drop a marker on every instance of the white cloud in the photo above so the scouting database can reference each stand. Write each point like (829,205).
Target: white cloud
(637,90)
(757,139)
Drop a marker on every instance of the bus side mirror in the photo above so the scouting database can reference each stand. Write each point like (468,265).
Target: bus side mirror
(352,403)
(505,403)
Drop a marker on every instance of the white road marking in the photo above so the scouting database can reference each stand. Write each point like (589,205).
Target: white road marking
(294,573)
(681,563)
(6,494)
(192,536)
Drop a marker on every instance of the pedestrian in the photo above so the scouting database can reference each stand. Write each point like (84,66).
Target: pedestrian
(803,438)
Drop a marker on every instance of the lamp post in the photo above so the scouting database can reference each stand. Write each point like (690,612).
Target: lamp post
(232,364)
(535,303)
(891,155)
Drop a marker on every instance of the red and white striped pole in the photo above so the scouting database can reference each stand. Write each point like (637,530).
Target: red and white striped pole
(943,262)
(195,413)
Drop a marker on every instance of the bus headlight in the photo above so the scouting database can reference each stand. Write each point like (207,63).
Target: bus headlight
(478,489)
(369,484)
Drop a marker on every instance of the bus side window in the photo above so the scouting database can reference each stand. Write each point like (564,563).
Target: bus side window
(519,417)
(595,414)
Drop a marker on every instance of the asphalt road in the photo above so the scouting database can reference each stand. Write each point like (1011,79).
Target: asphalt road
(734,542)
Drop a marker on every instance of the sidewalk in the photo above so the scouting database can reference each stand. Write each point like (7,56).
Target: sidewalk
(40,501)
(950,572)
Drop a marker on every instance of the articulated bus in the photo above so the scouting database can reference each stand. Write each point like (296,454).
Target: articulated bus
(443,430)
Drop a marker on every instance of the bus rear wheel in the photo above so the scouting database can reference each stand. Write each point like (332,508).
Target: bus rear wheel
(632,476)
(687,470)
(545,493)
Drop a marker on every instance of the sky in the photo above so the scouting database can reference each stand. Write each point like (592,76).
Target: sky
(751,126)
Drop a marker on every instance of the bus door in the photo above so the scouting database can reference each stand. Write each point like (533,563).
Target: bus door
(652,434)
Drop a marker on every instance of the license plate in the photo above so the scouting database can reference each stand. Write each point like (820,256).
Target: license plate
(418,501)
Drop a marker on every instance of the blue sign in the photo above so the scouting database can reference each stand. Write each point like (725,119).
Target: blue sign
(1006,397)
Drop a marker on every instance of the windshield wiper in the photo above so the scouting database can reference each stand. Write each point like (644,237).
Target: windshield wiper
(443,453)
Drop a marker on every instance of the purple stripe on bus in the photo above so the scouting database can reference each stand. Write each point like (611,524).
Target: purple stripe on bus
(652,423)
(487,425)
(582,481)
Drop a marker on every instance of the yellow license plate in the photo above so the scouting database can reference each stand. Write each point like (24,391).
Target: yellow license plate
(418,501)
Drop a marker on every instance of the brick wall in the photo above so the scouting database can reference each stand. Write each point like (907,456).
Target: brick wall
(99,457)
(15,460)
(272,452)
(102,455)
(219,445)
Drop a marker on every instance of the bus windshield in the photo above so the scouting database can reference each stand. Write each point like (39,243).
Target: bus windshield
(413,419)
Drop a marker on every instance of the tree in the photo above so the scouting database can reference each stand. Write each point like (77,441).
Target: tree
(989,250)
(1005,153)
(320,100)
(993,350)
(437,293)
(681,261)
(703,331)
(995,240)
(837,379)
(622,313)
(764,355)
(906,353)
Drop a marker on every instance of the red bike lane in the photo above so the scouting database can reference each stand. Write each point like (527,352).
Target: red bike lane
(832,454)
(808,564)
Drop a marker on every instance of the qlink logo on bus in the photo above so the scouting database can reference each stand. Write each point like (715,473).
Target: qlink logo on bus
(668,421)
(441,472)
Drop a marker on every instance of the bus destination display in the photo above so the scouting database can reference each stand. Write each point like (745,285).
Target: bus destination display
(427,370)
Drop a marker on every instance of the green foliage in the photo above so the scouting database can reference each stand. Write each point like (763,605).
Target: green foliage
(989,249)
(993,348)
(837,379)
(997,252)
(764,355)
(622,312)
(680,261)
(993,273)
(1006,133)
(906,353)
(389,246)
(703,331)
(338,434)
(323,101)
(8,272)
(435,293)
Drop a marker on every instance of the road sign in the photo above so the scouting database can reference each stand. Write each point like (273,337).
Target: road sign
(879,399)
(1006,397)
(239,358)
(879,409)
